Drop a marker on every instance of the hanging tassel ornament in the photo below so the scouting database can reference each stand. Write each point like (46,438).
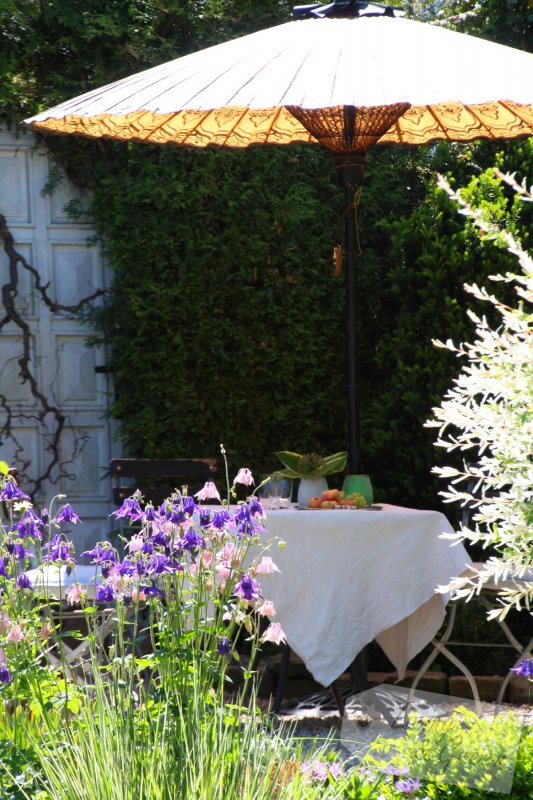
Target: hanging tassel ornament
(337,260)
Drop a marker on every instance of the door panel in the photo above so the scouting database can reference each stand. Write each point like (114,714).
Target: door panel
(53,455)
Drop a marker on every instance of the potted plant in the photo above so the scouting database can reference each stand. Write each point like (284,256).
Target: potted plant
(312,470)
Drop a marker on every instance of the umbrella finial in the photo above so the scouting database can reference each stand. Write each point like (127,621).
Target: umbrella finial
(346,8)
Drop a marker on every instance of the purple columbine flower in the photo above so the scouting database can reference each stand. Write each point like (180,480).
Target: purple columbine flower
(224,646)
(126,568)
(101,553)
(191,541)
(23,582)
(205,518)
(151,589)
(174,563)
(243,513)
(5,675)
(27,527)
(149,514)
(105,593)
(158,565)
(3,573)
(175,514)
(104,555)
(12,492)
(245,528)
(248,588)
(58,550)
(246,521)
(18,550)
(66,515)
(525,668)
(141,566)
(159,538)
(394,771)
(256,507)
(220,519)
(189,506)
(408,785)
(130,508)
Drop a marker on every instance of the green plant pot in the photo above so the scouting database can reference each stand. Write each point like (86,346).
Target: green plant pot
(361,484)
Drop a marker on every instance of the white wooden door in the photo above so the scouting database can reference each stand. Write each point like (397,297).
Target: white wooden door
(55,431)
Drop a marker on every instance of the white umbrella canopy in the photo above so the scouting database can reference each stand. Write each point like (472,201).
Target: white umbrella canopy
(419,81)
(348,76)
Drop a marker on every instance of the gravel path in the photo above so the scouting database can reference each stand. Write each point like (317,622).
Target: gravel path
(315,719)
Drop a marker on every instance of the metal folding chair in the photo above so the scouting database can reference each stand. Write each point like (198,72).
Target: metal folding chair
(52,584)
(487,598)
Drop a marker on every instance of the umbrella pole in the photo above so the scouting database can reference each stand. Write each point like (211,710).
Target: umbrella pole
(350,170)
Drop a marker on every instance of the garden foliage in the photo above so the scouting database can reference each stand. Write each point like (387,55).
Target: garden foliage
(151,713)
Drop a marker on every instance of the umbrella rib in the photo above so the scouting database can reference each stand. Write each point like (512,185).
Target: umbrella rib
(229,68)
(275,119)
(482,125)
(512,110)
(167,118)
(131,86)
(259,71)
(228,134)
(294,77)
(397,128)
(440,126)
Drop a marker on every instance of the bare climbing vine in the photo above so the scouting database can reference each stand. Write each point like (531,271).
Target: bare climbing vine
(48,414)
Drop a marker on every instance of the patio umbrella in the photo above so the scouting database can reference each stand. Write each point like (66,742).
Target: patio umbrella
(348,76)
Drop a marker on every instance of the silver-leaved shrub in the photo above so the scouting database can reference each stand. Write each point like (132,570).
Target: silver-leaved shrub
(488,416)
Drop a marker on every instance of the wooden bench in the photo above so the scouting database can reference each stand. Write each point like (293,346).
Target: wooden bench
(158,478)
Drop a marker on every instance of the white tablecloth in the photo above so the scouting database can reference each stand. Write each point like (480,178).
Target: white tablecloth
(348,577)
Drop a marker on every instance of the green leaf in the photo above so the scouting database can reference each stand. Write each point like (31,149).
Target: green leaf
(311,465)
(335,463)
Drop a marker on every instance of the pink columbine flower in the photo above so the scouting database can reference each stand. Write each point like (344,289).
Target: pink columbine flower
(227,553)
(266,609)
(15,635)
(266,566)
(137,596)
(274,633)
(234,613)
(223,572)
(209,492)
(244,476)
(207,558)
(5,622)
(45,631)
(135,543)
(318,771)
(115,578)
(75,594)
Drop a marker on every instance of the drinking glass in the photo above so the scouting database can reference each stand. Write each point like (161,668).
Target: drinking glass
(281,491)
(276,492)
